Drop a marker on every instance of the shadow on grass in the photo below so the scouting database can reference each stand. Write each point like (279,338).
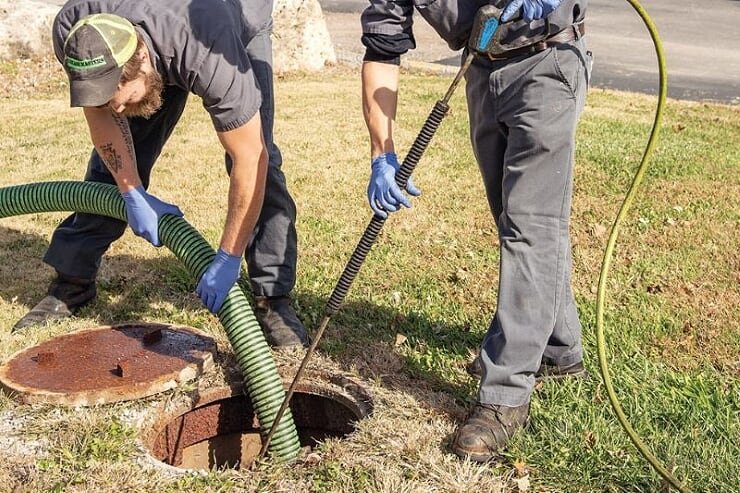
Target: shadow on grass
(127,286)
(361,335)
(405,351)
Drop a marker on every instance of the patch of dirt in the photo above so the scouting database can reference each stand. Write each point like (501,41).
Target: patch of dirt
(15,439)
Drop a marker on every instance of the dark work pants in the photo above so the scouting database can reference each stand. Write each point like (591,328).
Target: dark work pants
(80,241)
(523,116)
(273,251)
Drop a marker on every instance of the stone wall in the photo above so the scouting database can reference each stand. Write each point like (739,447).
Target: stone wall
(25,28)
(300,38)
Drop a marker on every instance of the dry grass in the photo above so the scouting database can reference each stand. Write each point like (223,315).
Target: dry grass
(432,276)
(54,147)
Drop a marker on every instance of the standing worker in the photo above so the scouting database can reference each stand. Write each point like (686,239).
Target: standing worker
(523,105)
(131,66)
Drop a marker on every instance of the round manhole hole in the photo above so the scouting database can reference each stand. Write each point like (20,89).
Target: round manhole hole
(108,364)
(222,430)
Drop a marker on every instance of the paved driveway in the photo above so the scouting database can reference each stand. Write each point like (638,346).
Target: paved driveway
(701,41)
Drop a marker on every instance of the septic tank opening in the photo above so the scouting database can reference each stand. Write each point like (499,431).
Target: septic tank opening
(222,430)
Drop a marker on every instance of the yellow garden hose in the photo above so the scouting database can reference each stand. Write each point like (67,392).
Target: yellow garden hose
(601,294)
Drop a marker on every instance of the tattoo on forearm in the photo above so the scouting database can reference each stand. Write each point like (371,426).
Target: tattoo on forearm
(122,124)
(111,158)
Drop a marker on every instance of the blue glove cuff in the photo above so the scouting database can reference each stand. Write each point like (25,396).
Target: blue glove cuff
(133,193)
(387,158)
(224,257)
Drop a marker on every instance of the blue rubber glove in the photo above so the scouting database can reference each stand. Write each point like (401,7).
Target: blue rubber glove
(531,9)
(143,212)
(382,191)
(218,280)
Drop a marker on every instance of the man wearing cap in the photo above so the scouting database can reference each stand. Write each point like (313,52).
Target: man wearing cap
(131,66)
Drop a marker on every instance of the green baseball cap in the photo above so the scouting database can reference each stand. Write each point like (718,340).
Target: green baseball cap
(95,51)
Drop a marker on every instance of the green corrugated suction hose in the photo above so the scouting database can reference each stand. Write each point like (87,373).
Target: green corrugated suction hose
(261,379)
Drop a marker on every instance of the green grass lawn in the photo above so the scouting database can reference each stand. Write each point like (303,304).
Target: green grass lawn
(672,315)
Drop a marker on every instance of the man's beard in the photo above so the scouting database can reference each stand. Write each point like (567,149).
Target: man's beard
(152,99)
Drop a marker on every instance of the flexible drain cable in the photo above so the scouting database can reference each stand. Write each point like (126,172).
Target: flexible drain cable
(368,238)
(601,293)
(412,159)
(239,321)
(262,382)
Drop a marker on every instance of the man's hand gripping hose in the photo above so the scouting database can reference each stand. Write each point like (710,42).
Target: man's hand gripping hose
(143,212)
(383,194)
(218,279)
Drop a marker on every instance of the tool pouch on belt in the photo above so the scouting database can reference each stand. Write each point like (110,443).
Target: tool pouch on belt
(453,21)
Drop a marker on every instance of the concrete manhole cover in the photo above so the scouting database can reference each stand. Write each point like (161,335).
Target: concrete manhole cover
(108,364)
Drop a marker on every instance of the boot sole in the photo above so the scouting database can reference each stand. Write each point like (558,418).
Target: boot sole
(480,459)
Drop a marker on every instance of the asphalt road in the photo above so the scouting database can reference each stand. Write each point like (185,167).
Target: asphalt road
(701,42)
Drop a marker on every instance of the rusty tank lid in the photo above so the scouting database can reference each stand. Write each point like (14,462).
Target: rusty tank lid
(108,364)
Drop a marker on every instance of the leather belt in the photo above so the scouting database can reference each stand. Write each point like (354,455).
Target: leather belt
(574,31)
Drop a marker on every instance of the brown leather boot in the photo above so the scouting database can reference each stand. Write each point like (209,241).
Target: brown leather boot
(546,370)
(279,322)
(487,430)
(65,296)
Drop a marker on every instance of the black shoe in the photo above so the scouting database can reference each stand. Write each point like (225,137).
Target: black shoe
(279,322)
(546,370)
(552,371)
(65,296)
(487,430)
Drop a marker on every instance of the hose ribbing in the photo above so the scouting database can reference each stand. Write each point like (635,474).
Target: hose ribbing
(376,223)
(368,239)
(421,142)
(262,381)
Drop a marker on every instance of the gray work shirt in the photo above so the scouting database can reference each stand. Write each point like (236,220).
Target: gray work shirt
(452,19)
(197,45)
